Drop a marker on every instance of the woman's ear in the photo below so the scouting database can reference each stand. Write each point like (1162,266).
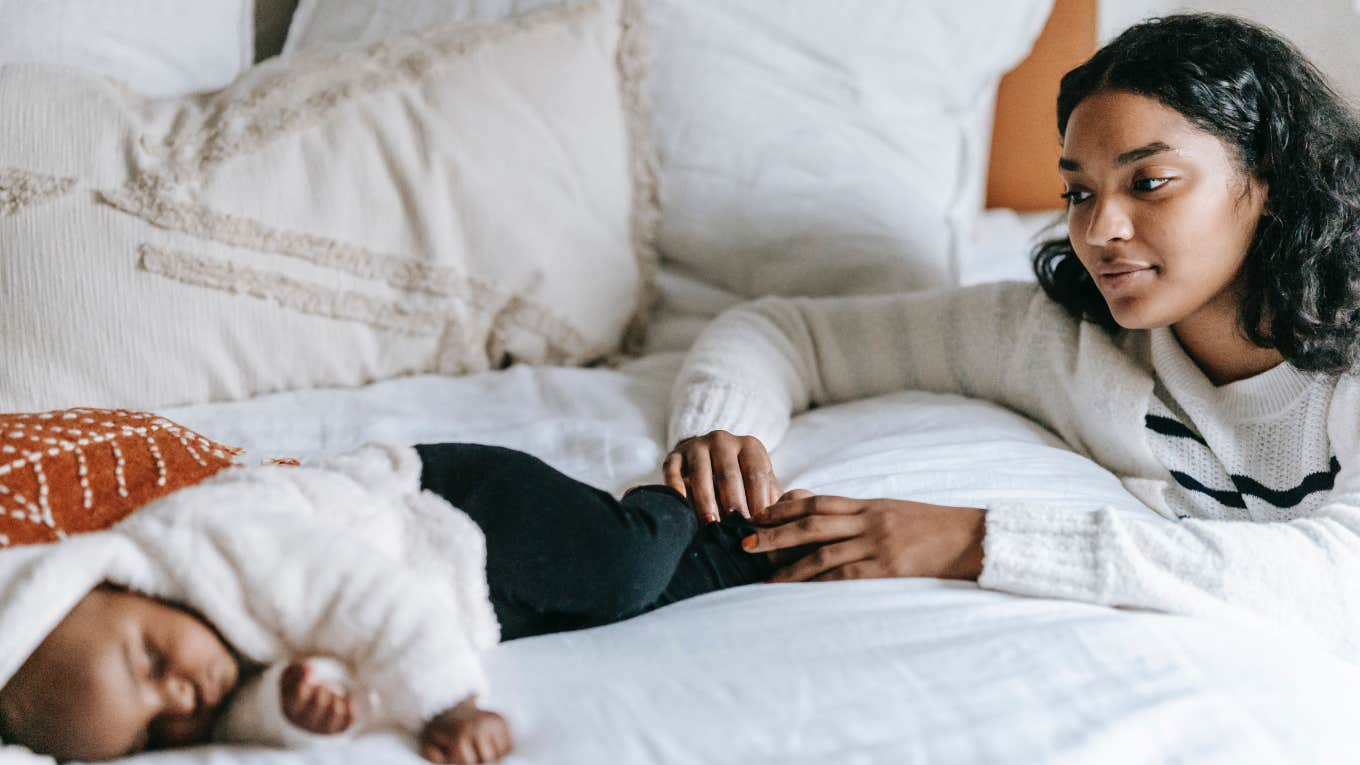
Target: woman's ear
(1257,195)
(1261,189)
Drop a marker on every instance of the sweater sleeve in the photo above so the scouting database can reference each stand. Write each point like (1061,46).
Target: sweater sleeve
(759,363)
(1299,574)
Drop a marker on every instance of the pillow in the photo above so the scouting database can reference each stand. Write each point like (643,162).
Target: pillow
(78,470)
(445,201)
(805,147)
(156,47)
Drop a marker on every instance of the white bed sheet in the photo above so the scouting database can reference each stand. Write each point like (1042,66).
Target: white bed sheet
(919,671)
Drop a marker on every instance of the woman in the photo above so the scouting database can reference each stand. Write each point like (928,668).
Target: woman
(1195,333)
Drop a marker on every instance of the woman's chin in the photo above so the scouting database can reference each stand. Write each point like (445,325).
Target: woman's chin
(1137,317)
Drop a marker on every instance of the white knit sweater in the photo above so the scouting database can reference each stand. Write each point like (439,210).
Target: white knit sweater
(760,362)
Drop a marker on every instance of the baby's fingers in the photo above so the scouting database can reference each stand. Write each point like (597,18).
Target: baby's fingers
(435,753)
(465,751)
(504,743)
(313,707)
(335,716)
(446,746)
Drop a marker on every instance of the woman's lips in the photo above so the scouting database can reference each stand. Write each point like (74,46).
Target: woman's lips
(1123,281)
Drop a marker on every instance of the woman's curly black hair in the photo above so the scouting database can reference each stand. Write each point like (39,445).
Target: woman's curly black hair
(1266,102)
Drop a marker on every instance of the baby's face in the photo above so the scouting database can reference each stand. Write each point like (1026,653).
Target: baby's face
(121,673)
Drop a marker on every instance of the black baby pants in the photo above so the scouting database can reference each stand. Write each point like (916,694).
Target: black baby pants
(561,555)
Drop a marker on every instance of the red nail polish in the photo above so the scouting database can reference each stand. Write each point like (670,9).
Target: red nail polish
(749,542)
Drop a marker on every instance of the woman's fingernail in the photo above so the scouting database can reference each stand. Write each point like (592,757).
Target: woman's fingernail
(749,542)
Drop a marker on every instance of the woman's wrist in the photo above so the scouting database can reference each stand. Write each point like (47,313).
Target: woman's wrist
(973,525)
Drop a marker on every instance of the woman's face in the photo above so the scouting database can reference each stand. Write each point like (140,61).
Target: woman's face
(1160,213)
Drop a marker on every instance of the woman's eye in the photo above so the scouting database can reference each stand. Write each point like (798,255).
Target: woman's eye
(1076,197)
(1149,184)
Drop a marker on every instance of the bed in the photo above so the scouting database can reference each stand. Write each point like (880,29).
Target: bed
(877,671)
(912,671)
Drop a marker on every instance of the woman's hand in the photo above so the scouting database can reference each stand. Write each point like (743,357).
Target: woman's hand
(721,472)
(465,734)
(869,539)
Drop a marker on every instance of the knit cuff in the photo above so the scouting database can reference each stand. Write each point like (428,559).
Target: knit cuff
(1047,552)
(717,406)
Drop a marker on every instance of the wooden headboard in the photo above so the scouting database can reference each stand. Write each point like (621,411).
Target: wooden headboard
(1023,171)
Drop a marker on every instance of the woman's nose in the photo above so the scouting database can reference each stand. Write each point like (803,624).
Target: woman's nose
(1110,222)
(179,695)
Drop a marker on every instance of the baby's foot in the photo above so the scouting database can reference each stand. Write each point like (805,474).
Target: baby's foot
(312,705)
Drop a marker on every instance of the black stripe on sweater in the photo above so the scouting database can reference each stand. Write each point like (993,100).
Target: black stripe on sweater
(1229,498)
(1320,481)
(1169,427)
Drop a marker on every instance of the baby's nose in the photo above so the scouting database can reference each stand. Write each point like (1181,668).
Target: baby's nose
(179,695)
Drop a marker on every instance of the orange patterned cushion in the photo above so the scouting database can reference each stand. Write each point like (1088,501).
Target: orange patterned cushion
(77,470)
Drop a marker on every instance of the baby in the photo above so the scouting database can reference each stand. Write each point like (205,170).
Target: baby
(158,676)
(290,605)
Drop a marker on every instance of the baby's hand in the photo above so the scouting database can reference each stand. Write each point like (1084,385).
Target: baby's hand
(312,705)
(465,735)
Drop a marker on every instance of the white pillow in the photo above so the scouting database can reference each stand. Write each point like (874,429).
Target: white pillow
(155,47)
(445,201)
(806,147)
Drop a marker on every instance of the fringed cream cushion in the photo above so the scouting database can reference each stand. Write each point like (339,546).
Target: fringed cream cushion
(448,201)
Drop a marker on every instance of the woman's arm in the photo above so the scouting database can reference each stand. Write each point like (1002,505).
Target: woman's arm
(1301,574)
(761,362)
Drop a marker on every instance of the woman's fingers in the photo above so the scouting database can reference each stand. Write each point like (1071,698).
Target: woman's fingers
(758,475)
(860,569)
(823,560)
(801,504)
(699,477)
(728,480)
(813,529)
(673,473)
(721,472)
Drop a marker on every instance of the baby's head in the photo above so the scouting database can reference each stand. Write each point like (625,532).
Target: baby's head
(121,673)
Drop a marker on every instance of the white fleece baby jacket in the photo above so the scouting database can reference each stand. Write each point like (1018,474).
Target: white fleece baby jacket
(348,559)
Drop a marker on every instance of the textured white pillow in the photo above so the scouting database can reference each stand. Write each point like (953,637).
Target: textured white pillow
(155,47)
(806,147)
(445,201)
